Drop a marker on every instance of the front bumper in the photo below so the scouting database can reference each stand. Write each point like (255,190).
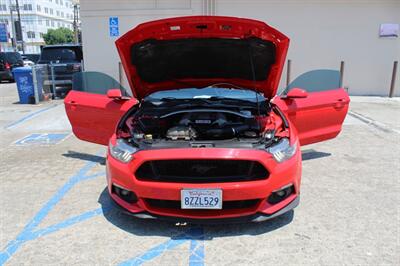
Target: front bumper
(256,218)
(280,175)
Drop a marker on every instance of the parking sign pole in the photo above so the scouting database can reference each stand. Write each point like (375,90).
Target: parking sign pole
(20,26)
(393,81)
(53,82)
(35,85)
(13,39)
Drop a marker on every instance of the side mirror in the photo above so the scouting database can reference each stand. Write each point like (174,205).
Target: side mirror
(114,94)
(297,93)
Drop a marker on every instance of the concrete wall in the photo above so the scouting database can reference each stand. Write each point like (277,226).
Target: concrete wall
(322,33)
(100,53)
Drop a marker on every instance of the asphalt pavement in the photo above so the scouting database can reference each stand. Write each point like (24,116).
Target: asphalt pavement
(55,209)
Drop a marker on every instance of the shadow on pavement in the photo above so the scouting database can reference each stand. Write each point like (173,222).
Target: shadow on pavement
(155,227)
(313,154)
(85,157)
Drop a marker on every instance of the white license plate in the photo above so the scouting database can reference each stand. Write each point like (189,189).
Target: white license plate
(201,199)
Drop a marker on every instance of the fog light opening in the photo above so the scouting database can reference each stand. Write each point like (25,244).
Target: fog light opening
(124,194)
(281,194)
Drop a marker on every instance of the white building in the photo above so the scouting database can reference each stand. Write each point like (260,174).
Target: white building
(37,16)
(322,33)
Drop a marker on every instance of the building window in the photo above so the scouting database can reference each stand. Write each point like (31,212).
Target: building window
(51,11)
(39,8)
(61,2)
(27,7)
(46,10)
(52,23)
(47,23)
(41,35)
(31,34)
(56,1)
(3,7)
(58,13)
(39,21)
(62,14)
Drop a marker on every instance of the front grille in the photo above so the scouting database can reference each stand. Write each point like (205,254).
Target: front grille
(201,171)
(226,205)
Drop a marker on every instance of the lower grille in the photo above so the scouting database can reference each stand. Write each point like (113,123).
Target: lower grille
(226,205)
(201,171)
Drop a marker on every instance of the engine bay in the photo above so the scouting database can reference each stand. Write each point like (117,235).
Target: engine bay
(154,126)
(200,124)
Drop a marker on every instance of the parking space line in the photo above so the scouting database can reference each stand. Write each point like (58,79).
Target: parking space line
(197,248)
(196,255)
(27,233)
(27,117)
(66,223)
(370,122)
(30,232)
(154,252)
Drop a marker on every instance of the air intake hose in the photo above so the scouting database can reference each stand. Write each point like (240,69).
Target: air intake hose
(226,132)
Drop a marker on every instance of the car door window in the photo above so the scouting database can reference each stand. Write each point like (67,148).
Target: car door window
(95,82)
(315,81)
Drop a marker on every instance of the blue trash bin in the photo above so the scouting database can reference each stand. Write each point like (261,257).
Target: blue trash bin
(24,80)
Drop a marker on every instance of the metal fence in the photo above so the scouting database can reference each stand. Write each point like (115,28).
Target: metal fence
(53,80)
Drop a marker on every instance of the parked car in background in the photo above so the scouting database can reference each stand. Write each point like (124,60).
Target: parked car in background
(62,61)
(8,61)
(27,61)
(32,57)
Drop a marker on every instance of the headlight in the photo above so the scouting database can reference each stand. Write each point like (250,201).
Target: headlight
(282,151)
(122,151)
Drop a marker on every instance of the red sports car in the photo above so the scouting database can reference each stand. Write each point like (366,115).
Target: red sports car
(205,138)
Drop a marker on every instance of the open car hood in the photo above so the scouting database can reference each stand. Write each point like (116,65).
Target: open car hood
(198,51)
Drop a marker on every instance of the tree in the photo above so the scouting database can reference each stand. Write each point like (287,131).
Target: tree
(58,36)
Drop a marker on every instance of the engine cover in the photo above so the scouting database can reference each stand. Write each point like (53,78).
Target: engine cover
(181,133)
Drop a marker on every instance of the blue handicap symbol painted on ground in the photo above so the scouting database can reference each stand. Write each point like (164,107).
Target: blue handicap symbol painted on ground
(113,26)
(42,139)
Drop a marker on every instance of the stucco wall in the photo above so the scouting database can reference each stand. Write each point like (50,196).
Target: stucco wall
(322,33)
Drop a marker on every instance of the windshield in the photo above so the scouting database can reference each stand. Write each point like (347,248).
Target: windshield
(207,93)
(61,54)
(13,58)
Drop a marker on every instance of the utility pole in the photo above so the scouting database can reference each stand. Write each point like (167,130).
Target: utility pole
(20,27)
(13,39)
(76,19)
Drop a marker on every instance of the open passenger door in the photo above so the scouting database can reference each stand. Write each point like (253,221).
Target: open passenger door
(318,111)
(95,106)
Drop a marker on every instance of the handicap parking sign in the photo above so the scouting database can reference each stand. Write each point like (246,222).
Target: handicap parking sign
(3,33)
(113,26)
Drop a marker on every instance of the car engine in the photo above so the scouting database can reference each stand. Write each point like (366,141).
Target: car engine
(197,124)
